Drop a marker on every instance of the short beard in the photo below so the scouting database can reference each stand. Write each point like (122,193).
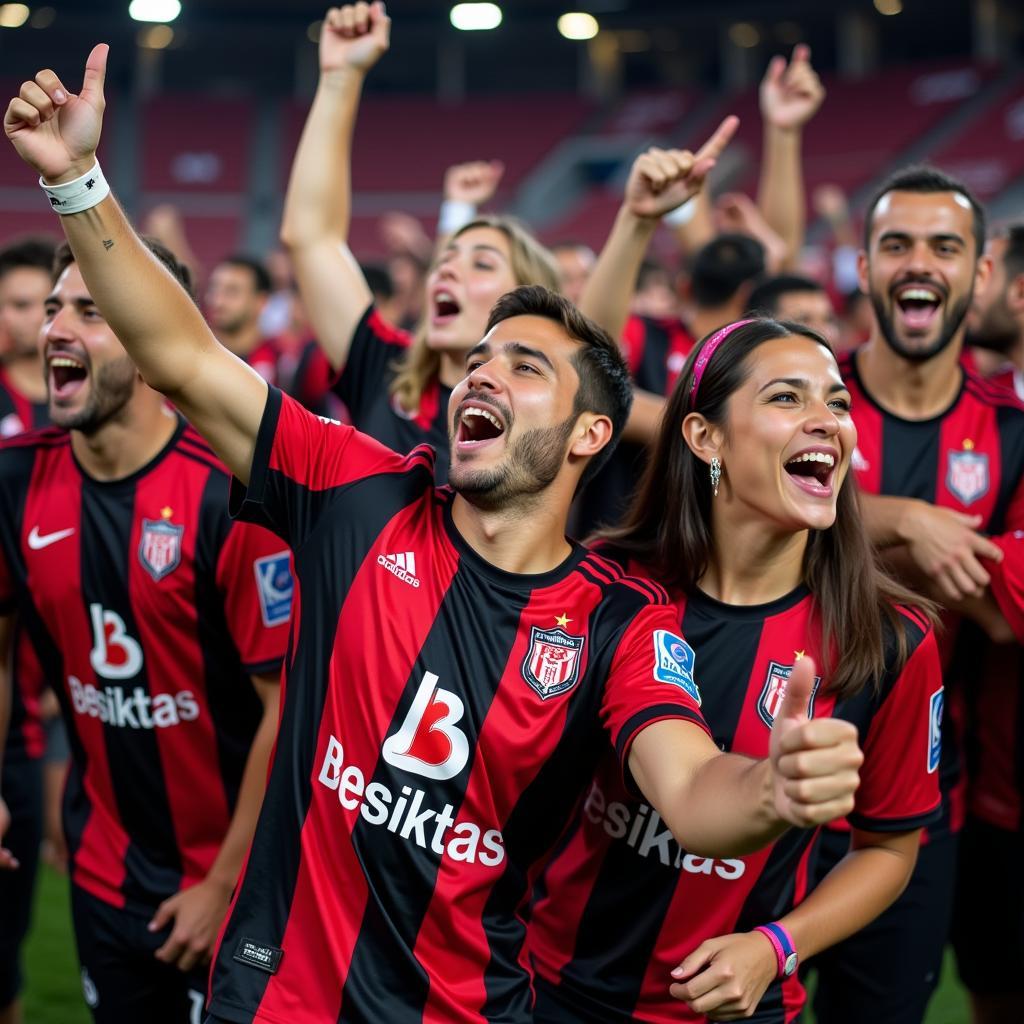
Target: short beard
(111,389)
(533,462)
(951,323)
(997,331)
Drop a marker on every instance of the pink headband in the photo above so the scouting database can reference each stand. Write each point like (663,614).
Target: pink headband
(705,354)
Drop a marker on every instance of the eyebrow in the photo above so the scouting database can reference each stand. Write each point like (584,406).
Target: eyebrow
(949,236)
(479,247)
(516,348)
(801,384)
(56,300)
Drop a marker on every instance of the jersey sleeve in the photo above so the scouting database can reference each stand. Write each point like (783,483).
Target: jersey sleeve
(651,679)
(375,347)
(1008,580)
(304,463)
(254,574)
(899,781)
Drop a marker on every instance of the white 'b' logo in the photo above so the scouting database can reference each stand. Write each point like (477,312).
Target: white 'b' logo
(429,742)
(114,654)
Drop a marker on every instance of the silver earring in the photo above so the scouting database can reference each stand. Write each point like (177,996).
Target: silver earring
(716,474)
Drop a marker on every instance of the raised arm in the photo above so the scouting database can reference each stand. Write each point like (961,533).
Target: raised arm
(56,132)
(318,204)
(660,180)
(725,805)
(790,97)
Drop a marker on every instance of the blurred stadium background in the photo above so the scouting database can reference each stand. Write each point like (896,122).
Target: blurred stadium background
(205,112)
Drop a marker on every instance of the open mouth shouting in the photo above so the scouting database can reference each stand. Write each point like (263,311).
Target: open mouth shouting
(67,373)
(918,305)
(446,308)
(477,425)
(812,471)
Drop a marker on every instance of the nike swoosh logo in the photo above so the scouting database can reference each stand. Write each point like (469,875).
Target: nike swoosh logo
(37,540)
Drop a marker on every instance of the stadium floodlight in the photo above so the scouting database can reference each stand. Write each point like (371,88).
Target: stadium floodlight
(154,10)
(475,17)
(578,25)
(13,15)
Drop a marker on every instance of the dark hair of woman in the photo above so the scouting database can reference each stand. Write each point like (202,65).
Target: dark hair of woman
(667,528)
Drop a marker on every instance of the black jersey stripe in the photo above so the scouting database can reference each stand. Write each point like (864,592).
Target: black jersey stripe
(152,861)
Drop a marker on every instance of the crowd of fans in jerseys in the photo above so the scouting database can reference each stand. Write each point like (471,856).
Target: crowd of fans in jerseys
(813,457)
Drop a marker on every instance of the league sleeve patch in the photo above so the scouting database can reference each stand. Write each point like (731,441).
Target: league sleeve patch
(275,585)
(935,730)
(673,662)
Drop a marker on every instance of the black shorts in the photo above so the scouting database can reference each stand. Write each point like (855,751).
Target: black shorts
(988,917)
(886,973)
(22,791)
(121,979)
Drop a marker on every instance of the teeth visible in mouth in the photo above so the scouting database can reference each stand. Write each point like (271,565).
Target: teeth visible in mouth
(828,460)
(921,294)
(74,364)
(473,411)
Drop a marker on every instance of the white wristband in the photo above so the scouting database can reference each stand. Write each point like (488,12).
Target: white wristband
(681,214)
(453,215)
(79,194)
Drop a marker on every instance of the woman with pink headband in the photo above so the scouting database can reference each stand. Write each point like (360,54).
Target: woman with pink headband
(747,517)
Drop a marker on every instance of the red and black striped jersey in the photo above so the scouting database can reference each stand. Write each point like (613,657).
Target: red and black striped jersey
(441,720)
(969,458)
(363,386)
(621,903)
(656,349)
(149,610)
(19,413)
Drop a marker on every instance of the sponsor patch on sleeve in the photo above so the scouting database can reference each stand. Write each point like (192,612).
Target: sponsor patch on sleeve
(274,585)
(259,955)
(935,730)
(673,662)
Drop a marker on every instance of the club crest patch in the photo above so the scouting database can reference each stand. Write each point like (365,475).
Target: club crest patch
(552,662)
(967,476)
(160,547)
(935,730)
(774,690)
(673,662)
(275,585)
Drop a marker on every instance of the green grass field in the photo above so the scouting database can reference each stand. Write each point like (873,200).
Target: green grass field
(53,994)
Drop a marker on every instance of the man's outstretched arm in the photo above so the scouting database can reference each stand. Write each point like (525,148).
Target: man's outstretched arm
(57,132)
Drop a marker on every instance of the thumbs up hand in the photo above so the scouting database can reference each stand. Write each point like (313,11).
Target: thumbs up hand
(814,762)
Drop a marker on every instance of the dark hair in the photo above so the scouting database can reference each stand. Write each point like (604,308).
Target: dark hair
(261,281)
(64,257)
(604,387)
(34,252)
(926,180)
(652,269)
(667,527)
(720,268)
(378,280)
(764,299)
(1013,256)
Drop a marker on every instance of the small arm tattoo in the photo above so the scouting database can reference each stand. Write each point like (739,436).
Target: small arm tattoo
(108,244)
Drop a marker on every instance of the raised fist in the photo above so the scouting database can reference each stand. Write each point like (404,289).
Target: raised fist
(662,179)
(54,130)
(791,95)
(354,36)
(474,183)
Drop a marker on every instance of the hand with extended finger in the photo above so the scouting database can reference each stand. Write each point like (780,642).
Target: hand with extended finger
(663,179)
(814,762)
(474,183)
(725,977)
(791,94)
(54,130)
(354,37)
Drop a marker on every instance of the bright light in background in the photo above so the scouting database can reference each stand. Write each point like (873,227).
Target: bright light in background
(475,17)
(578,25)
(154,10)
(13,15)
(744,34)
(888,6)
(156,37)
(44,17)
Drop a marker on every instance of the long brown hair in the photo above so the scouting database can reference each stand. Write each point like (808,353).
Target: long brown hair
(668,525)
(531,263)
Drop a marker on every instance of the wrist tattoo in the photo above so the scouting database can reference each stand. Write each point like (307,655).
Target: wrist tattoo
(108,244)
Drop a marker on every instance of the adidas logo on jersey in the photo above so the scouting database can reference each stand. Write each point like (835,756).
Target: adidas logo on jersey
(402,565)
